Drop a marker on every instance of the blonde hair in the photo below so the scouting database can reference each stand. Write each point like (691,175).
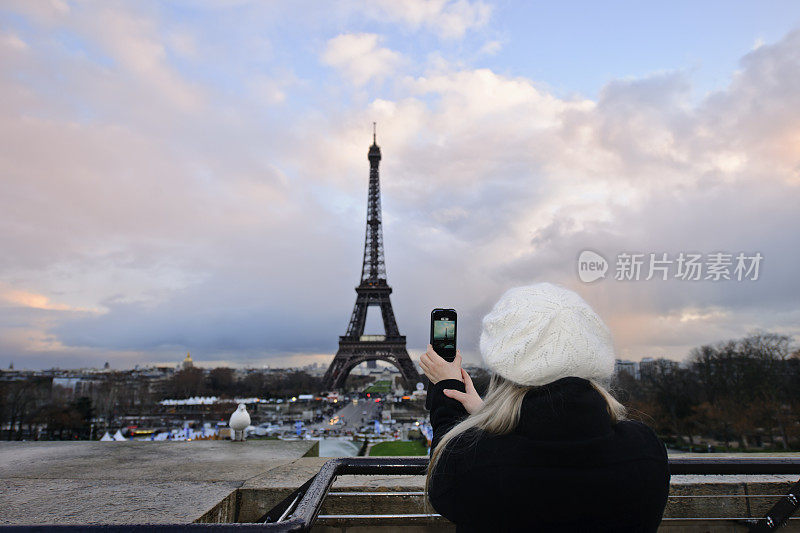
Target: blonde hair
(500,415)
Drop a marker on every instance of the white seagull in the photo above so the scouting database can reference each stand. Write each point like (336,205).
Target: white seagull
(240,419)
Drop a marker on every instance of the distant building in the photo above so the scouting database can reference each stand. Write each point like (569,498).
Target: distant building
(623,365)
(78,384)
(647,367)
(314,369)
(383,372)
(187,362)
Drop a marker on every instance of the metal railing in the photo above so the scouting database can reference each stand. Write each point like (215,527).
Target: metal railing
(299,511)
(307,500)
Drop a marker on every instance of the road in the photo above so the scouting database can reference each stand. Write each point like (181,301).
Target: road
(351,416)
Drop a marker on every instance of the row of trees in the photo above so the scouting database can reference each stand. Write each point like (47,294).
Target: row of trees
(744,391)
(33,408)
(223,382)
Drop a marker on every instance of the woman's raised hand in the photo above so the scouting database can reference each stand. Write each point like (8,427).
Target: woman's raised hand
(437,368)
(470,400)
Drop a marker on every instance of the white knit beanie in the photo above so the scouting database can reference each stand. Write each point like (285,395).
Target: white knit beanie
(540,333)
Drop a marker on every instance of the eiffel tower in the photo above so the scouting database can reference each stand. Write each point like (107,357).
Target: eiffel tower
(354,346)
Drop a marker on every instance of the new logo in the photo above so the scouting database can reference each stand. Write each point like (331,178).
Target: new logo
(591,266)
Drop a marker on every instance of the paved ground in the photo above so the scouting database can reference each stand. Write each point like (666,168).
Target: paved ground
(129,482)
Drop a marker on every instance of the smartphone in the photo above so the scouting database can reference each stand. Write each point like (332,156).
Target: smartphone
(443,332)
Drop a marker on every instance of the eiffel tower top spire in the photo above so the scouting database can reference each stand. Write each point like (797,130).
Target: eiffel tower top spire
(373,270)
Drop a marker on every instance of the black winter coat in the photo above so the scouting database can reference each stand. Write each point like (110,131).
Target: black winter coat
(564,468)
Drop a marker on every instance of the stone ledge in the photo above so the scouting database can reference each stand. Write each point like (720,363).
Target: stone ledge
(93,501)
(130,482)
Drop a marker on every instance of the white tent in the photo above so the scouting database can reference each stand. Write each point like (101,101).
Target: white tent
(106,437)
(118,436)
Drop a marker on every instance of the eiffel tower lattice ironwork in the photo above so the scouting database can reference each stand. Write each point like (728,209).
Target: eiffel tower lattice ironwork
(354,346)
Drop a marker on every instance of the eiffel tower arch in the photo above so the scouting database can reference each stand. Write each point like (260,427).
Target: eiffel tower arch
(373,291)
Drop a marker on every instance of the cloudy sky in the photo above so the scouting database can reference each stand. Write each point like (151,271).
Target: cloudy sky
(192,175)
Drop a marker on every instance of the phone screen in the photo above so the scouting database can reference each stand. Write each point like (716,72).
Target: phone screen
(443,333)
